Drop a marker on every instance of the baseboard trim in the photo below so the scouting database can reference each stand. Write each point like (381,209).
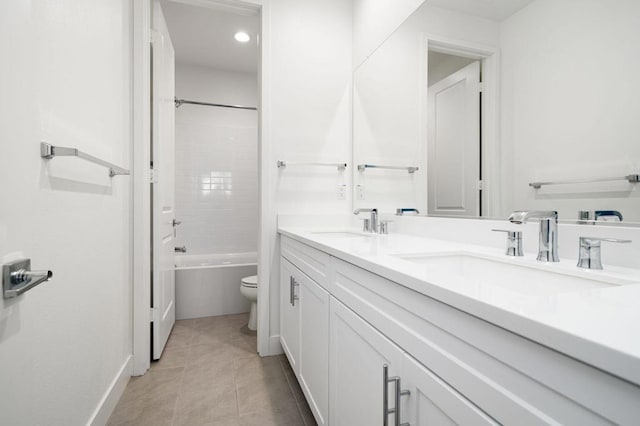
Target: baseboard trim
(275,348)
(112,395)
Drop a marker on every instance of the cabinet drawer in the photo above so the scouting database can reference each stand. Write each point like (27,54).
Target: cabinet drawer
(511,378)
(312,262)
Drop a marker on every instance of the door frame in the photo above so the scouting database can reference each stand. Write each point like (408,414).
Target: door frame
(489,56)
(140,242)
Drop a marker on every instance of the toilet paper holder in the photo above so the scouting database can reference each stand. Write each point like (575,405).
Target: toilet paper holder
(18,278)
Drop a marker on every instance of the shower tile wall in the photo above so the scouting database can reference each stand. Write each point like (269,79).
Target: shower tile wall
(216,162)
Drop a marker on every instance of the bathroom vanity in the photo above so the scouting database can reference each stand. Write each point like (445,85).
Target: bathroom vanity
(400,329)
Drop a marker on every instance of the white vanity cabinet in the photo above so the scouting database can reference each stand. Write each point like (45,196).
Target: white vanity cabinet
(458,368)
(304,332)
(289,314)
(363,363)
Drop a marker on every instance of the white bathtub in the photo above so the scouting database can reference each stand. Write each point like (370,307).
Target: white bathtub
(209,284)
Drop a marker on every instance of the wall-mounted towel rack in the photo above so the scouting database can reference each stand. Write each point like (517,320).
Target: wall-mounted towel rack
(283,164)
(49,151)
(410,169)
(180,102)
(630,178)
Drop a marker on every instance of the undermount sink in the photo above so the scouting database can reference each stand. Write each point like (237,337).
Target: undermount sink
(341,234)
(468,270)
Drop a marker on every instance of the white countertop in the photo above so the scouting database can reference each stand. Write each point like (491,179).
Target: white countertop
(599,326)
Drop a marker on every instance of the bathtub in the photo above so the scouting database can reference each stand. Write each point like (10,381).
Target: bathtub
(209,284)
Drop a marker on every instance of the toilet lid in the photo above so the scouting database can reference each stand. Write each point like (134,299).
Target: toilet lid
(251,281)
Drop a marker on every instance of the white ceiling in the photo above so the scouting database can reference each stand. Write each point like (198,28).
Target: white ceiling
(203,35)
(496,10)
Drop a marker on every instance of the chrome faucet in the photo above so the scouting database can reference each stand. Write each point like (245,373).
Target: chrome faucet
(370,225)
(548,248)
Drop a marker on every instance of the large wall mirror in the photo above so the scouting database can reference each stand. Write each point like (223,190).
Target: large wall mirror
(479,108)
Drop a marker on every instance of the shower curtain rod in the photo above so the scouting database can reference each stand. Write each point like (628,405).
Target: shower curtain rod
(179,102)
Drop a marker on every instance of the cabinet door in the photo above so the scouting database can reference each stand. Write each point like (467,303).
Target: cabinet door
(289,314)
(358,354)
(314,346)
(433,402)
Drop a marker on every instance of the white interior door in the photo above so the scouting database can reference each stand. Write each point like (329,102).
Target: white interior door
(163,140)
(453,146)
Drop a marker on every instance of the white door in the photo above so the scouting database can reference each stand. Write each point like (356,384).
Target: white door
(433,402)
(289,314)
(314,346)
(358,353)
(453,145)
(163,134)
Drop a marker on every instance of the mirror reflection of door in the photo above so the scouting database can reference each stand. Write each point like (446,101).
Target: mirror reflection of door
(453,141)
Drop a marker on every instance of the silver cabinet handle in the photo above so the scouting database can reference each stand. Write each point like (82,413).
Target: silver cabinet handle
(385,397)
(400,392)
(292,291)
(18,278)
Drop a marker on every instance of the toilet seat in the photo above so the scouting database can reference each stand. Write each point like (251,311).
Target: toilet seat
(251,281)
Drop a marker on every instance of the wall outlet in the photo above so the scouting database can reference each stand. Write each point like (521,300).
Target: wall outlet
(342,192)
(360,192)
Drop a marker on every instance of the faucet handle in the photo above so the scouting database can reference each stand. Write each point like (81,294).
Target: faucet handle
(590,248)
(384,226)
(514,242)
(366,224)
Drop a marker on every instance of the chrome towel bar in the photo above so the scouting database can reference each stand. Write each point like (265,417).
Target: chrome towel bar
(629,178)
(49,151)
(410,169)
(283,164)
(180,102)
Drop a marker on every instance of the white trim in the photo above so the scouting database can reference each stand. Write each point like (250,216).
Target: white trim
(141,195)
(267,225)
(275,347)
(111,397)
(490,57)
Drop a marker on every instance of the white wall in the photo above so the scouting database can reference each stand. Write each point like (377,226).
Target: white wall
(63,343)
(308,117)
(442,65)
(374,21)
(216,162)
(577,118)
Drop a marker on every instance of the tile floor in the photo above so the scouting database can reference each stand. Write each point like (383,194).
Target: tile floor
(210,374)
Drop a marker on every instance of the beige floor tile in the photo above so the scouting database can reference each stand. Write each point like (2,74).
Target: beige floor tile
(210,374)
(265,394)
(242,330)
(181,336)
(211,335)
(244,347)
(288,417)
(210,354)
(199,406)
(214,375)
(218,322)
(254,368)
(186,323)
(149,399)
(172,357)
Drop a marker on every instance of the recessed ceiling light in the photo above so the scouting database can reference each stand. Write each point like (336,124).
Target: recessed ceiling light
(242,37)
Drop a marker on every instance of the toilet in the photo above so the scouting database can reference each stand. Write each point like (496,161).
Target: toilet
(249,289)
